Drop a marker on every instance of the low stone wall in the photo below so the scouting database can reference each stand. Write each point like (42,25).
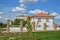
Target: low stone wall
(17,29)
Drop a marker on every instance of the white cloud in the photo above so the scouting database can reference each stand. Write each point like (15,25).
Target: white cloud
(24,1)
(36,11)
(1,12)
(18,9)
(7,18)
(22,5)
(1,17)
(21,8)
(56,15)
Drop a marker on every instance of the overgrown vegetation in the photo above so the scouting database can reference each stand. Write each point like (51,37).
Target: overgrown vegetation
(43,35)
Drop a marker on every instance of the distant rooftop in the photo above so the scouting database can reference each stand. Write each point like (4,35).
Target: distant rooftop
(38,15)
(21,16)
(43,15)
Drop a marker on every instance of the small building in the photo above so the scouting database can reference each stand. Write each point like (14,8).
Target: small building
(21,17)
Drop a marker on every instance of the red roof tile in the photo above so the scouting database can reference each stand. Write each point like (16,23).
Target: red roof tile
(21,16)
(43,15)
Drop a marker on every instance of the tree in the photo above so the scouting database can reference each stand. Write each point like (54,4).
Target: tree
(29,27)
(2,25)
(17,22)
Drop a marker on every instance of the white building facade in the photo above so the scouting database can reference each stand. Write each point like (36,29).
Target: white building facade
(40,19)
(22,17)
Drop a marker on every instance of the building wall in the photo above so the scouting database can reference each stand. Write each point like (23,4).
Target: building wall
(42,21)
(22,18)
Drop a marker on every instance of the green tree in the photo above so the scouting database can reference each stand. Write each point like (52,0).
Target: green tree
(2,25)
(29,27)
(17,22)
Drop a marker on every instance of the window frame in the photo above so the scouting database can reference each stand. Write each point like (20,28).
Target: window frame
(39,19)
(39,26)
(47,19)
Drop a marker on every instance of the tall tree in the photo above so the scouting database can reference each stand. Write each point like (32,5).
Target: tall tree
(29,27)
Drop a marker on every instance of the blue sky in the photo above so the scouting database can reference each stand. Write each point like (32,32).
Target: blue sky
(12,8)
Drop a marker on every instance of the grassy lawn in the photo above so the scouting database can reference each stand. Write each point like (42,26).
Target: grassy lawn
(43,35)
(48,35)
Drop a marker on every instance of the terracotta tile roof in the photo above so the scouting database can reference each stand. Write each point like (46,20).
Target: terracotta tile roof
(21,16)
(43,15)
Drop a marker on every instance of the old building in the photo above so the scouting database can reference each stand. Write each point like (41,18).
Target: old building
(41,20)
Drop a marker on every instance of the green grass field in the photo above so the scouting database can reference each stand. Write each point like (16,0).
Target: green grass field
(43,35)
(49,35)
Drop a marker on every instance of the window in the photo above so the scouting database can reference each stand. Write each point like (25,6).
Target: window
(39,19)
(47,20)
(47,25)
(39,25)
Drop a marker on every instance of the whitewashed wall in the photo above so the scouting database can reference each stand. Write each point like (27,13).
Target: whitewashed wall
(17,29)
(22,18)
(43,20)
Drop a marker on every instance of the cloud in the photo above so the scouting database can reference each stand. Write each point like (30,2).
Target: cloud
(36,11)
(1,12)
(7,18)
(21,8)
(22,5)
(25,1)
(18,9)
(56,15)
(1,17)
